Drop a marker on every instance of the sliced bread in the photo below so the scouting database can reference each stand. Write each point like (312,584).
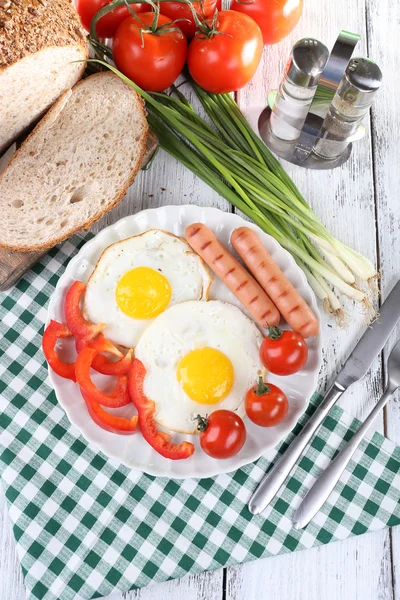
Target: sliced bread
(75,165)
(39,42)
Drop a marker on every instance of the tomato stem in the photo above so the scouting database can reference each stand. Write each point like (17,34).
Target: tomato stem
(202,423)
(262,388)
(274,333)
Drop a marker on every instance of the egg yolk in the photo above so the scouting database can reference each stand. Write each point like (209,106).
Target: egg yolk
(206,375)
(143,293)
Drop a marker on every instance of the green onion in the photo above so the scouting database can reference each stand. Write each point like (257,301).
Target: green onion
(233,160)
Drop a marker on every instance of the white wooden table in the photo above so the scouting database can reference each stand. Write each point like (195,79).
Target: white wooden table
(359,204)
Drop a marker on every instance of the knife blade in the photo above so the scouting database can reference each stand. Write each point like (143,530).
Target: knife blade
(372,342)
(355,368)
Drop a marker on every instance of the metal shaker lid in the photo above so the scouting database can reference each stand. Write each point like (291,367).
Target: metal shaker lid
(360,82)
(306,63)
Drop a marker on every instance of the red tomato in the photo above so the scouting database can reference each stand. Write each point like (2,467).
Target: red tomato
(155,62)
(266,405)
(226,61)
(283,352)
(179,10)
(222,434)
(107,25)
(276,18)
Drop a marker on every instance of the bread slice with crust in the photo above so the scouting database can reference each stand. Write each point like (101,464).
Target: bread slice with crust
(40,40)
(75,166)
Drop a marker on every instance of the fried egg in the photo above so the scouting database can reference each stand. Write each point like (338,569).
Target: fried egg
(136,279)
(199,357)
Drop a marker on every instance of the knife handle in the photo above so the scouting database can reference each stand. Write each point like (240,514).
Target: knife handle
(272,482)
(324,486)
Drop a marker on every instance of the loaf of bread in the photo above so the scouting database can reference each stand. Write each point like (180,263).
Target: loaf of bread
(75,165)
(39,42)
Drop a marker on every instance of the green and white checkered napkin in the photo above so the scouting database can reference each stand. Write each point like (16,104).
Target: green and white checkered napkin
(85,525)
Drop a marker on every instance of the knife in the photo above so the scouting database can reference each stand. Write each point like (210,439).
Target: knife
(354,369)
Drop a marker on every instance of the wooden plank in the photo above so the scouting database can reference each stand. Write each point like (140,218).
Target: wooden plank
(343,198)
(207,586)
(350,570)
(383,28)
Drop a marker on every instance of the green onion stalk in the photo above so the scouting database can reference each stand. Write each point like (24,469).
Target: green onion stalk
(233,160)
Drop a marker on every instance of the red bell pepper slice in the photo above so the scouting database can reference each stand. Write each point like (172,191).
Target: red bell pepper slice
(80,327)
(146,409)
(100,362)
(118,397)
(109,422)
(120,367)
(85,331)
(53,332)
(101,344)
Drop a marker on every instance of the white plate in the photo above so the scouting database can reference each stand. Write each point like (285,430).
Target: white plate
(132,450)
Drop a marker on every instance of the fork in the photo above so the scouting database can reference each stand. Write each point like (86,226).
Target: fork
(324,485)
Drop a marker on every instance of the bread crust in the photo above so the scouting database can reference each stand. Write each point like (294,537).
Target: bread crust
(29,26)
(87,224)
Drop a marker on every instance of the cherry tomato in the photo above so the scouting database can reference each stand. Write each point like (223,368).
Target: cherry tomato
(227,60)
(107,25)
(153,62)
(266,405)
(283,352)
(276,18)
(180,10)
(222,434)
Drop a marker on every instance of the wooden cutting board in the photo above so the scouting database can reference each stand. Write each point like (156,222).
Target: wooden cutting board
(14,264)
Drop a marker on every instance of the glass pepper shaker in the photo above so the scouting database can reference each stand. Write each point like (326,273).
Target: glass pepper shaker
(296,92)
(351,102)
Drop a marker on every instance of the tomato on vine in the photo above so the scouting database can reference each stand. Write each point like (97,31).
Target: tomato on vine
(205,9)
(109,23)
(151,51)
(224,54)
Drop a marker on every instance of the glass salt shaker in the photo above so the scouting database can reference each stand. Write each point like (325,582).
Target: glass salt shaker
(296,92)
(351,102)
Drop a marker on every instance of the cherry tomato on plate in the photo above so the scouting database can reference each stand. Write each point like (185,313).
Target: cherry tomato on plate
(180,10)
(107,25)
(283,352)
(222,433)
(266,405)
(152,59)
(276,18)
(225,59)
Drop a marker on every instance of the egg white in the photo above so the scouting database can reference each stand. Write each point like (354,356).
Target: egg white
(185,327)
(164,252)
